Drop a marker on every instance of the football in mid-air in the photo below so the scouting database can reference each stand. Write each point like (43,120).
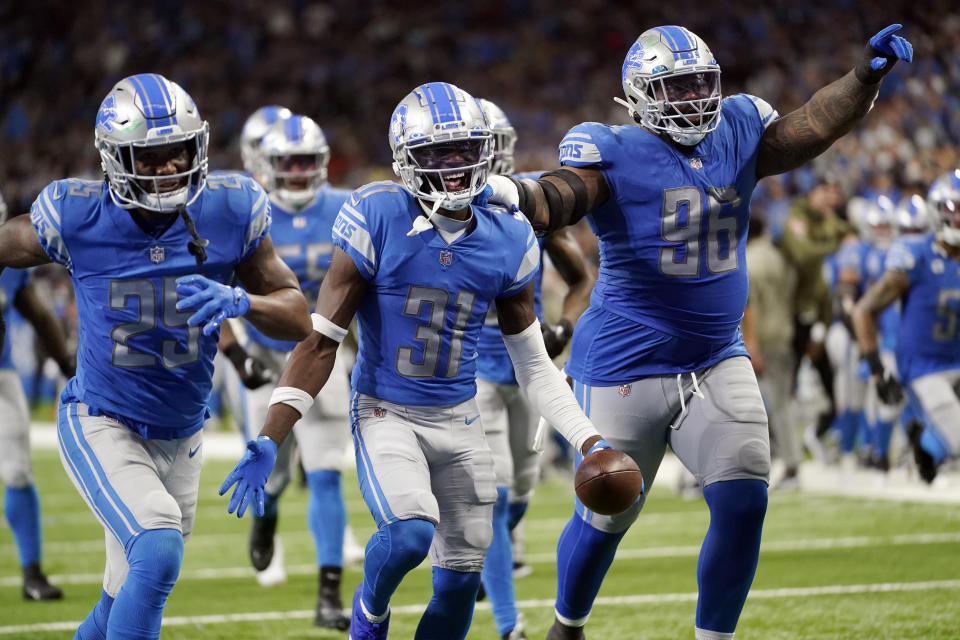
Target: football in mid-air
(608,481)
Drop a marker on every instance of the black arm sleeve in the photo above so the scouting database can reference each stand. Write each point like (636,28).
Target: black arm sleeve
(563,214)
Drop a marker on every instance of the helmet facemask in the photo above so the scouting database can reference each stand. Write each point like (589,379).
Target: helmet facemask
(504,142)
(151,191)
(295,178)
(947,212)
(450,173)
(684,105)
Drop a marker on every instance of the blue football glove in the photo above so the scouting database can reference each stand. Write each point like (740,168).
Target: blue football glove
(882,52)
(213,301)
(250,475)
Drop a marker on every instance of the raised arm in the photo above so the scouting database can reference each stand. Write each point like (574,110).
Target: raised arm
(558,199)
(802,135)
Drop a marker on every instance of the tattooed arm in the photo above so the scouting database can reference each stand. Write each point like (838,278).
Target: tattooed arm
(807,132)
(880,295)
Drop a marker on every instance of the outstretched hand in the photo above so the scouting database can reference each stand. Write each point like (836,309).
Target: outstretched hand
(883,51)
(213,301)
(250,475)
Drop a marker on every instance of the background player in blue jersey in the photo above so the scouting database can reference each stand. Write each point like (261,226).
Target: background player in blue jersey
(923,272)
(21,505)
(658,358)
(293,158)
(509,423)
(419,265)
(149,250)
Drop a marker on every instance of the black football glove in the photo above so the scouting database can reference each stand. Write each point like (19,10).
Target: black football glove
(253,373)
(556,336)
(889,389)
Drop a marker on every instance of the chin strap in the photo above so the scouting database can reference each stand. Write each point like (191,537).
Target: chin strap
(197,245)
(422,222)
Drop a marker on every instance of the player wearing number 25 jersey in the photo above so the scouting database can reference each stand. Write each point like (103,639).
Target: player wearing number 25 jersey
(658,358)
(419,264)
(150,250)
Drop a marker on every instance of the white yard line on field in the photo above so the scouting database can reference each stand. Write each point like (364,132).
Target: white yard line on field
(416,609)
(547,558)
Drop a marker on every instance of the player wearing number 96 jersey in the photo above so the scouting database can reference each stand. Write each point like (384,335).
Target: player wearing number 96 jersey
(150,250)
(660,345)
(419,264)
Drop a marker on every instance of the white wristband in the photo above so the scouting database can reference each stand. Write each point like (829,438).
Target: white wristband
(298,399)
(327,328)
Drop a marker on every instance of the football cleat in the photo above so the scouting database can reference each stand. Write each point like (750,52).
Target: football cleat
(517,632)
(560,631)
(36,586)
(926,465)
(329,612)
(360,627)
(261,541)
(521,569)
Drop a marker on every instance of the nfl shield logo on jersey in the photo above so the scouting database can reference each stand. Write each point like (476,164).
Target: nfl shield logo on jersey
(696,163)
(625,390)
(379,412)
(156,255)
(446,258)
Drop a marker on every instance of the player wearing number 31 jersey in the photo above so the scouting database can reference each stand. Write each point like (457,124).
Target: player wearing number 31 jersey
(150,251)
(658,358)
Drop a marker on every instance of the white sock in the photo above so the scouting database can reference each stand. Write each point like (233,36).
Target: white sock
(703,634)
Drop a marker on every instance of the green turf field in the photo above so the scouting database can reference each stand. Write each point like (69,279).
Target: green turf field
(837,568)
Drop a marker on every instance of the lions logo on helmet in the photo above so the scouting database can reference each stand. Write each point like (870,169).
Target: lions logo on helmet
(672,84)
(913,216)
(295,156)
(944,205)
(148,111)
(504,138)
(441,145)
(254,128)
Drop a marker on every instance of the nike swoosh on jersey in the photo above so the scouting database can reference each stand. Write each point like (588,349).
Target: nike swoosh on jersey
(193,451)
(471,420)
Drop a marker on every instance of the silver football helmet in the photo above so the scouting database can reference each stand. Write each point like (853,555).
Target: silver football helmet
(441,145)
(504,138)
(147,111)
(254,128)
(295,154)
(944,202)
(878,222)
(912,215)
(672,84)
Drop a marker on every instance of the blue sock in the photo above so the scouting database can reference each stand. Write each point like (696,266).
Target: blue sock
(583,556)
(498,569)
(391,553)
(327,516)
(931,442)
(728,557)
(882,433)
(154,558)
(22,509)
(849,424)
(95,625)
(515,513)
(450,610)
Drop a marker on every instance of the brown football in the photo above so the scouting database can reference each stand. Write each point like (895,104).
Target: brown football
(608,481)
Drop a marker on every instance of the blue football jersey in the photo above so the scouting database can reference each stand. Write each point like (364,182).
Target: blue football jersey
(137,360)
(673,280)
(11,282)
(851,257)
(928,340)
(421,317)
(303,239)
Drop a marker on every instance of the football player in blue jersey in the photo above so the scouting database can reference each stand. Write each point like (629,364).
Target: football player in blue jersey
(150,250)
(419,264)
(658,358)
(293,163)
(21,505)
(923,273)
(509,424)
(255,127)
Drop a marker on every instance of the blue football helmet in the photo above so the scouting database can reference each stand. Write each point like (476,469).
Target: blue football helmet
(148,111)
(254,128)
(672,84)
(944,202)
(912,215)
(295,156)
(504,138)
(441,145)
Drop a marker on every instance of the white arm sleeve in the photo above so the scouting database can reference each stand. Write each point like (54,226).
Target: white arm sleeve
(544,386)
